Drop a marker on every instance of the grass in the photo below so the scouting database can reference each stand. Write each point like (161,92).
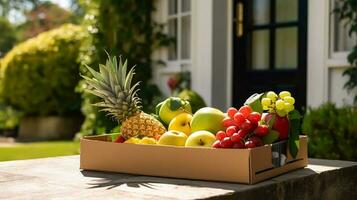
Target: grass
(38,150)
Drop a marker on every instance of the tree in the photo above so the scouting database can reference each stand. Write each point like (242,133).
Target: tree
(19,5)
(7,36)
(44,17)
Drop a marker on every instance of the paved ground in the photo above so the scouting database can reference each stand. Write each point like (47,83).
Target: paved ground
(7,141)
(60,178)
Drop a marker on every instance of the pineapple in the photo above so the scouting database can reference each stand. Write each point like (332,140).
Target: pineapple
(113,85)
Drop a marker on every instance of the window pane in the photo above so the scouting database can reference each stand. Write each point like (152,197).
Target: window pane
(341,39)
(172,26)
(286,48)
(260,50)
(261,11)
(186,5)
(186,37)
(172,7)
(286,10)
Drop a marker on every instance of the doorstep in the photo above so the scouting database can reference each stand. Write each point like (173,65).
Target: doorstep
(60,178)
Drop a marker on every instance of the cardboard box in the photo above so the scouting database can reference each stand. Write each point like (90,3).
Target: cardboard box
(238,165)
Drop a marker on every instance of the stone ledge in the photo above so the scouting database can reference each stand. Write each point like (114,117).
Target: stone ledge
(60,178)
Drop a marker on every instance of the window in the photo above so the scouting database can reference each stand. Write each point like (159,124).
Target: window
(340,42)
(179,27)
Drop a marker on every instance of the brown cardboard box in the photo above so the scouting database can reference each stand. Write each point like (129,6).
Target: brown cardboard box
(237,165)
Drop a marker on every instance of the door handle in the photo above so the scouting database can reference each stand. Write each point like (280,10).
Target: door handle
(239,19)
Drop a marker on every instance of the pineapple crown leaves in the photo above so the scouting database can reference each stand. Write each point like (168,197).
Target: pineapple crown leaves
(112,83)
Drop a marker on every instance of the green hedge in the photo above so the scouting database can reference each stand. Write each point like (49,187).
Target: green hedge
(332,132)
(39,75)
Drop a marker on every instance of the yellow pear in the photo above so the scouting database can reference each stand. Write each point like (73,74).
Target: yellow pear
(181,123)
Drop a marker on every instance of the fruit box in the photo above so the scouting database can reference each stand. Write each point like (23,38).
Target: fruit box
(229,165)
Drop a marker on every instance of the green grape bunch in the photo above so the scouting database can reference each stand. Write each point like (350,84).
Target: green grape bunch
(281,104)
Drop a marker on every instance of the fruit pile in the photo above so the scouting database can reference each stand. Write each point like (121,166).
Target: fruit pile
(265,118)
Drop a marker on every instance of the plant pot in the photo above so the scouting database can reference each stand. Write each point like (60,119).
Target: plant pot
(48,128)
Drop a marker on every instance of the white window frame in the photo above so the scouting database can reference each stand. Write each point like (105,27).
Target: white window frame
(178,65)
(335,58)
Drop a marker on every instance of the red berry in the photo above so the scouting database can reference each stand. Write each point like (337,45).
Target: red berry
(220,135)
(227,121)
(238,145)
(256,140)
(254,117)
(239,118)
(245,110)
(230,130)
(236,137)
(246,125)
(216,144)
(231,112)
(120,139)
(262,130)
(242,134)
(249,144)
(226,142)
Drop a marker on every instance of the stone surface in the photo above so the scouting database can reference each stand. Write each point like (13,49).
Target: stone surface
(60,178)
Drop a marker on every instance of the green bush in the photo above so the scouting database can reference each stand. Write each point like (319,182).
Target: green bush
(9,117)
(39,75)
(332,132)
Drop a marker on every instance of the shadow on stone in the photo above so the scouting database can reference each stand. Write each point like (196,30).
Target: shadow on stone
(112,180)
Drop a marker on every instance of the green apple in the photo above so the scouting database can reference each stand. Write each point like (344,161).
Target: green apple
(174,138)
(200,139)
(209,119)
(172,107)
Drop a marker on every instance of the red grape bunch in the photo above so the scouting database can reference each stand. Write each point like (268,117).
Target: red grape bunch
(244,129)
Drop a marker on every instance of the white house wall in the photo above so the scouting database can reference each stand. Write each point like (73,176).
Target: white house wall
(324,74)
(212,55)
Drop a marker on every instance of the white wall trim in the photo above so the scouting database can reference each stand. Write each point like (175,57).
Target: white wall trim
(318,41)
(201,76)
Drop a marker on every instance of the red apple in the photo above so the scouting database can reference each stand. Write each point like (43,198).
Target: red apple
(281,124)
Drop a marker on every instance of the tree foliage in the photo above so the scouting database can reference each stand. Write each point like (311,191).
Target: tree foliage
(121,27)
(7,36)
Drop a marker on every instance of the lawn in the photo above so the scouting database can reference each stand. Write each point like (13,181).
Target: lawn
(38,150)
